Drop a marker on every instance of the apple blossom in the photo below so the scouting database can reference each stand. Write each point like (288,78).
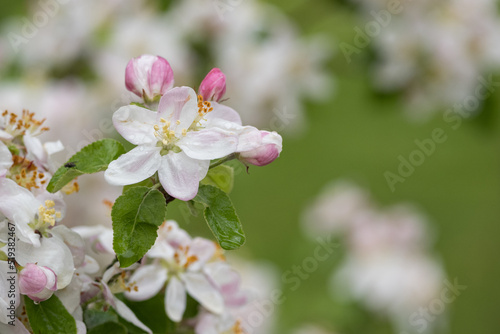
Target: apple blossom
(121,308)
(178,141)
(38,282)
(149,77)
(213,86)
(182,268)
(268,149)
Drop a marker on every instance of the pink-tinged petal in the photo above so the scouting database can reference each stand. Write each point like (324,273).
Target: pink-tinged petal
(150,75)
(135,124)
(269,149)
(200,288)
(209,144)
(213,86)
(179,106)
(180,175)
(161,78)
(5,159)
(175,299)
(134,166)
(52,253)
(128,315)
(32,279)
(203,249)
(149,280)
(222,112)
(249,138)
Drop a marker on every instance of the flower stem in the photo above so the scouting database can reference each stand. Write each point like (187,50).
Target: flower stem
(223,160)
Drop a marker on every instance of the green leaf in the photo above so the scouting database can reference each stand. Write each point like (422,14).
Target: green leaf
(102,322)
(49,316)
(221,177)
(221,217)
(92,158)
(108,328)
(136,216)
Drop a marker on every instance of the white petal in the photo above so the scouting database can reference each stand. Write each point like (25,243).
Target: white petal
(5,300)
(175,299)
(135,124)
(134,166)
(203,249)
(249,138)
(5,135)
(149,280)
(20,206)
(222,112)
(70,295)
(18,328)
(199,287)
(5,158)
(209,144)
(180,175)
(178,104)
(52,253)
(128,315)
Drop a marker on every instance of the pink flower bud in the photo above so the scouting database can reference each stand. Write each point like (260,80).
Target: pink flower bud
(213,87)
(37,282)
(149,77)
(266,152)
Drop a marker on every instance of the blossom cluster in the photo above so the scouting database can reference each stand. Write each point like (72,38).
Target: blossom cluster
(434,51)
(186,132)
(388,267)
(179,135)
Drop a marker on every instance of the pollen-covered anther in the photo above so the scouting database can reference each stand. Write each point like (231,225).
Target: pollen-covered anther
(17,126)
(204,107)
(237,328)
(71,188)
(48,213)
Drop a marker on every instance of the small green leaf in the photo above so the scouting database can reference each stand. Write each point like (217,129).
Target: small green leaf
(108,328)
(92,158)
(221,177)
(221,217)
(136,216)
(49,316)
(102,322)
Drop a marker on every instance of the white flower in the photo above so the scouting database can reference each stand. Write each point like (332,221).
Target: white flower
(178,141)
(182,267)
(121,308)
(32,216)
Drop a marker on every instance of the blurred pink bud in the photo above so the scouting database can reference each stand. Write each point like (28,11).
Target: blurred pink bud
(37,282)
(213,87)
(149,77)
(267,151)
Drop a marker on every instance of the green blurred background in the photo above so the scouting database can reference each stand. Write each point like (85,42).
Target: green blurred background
(359,135)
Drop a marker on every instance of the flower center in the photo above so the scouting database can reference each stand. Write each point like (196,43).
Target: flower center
(204,107)
(167,136)
(17,126)
(46,217)
(25,173)
(48,214)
